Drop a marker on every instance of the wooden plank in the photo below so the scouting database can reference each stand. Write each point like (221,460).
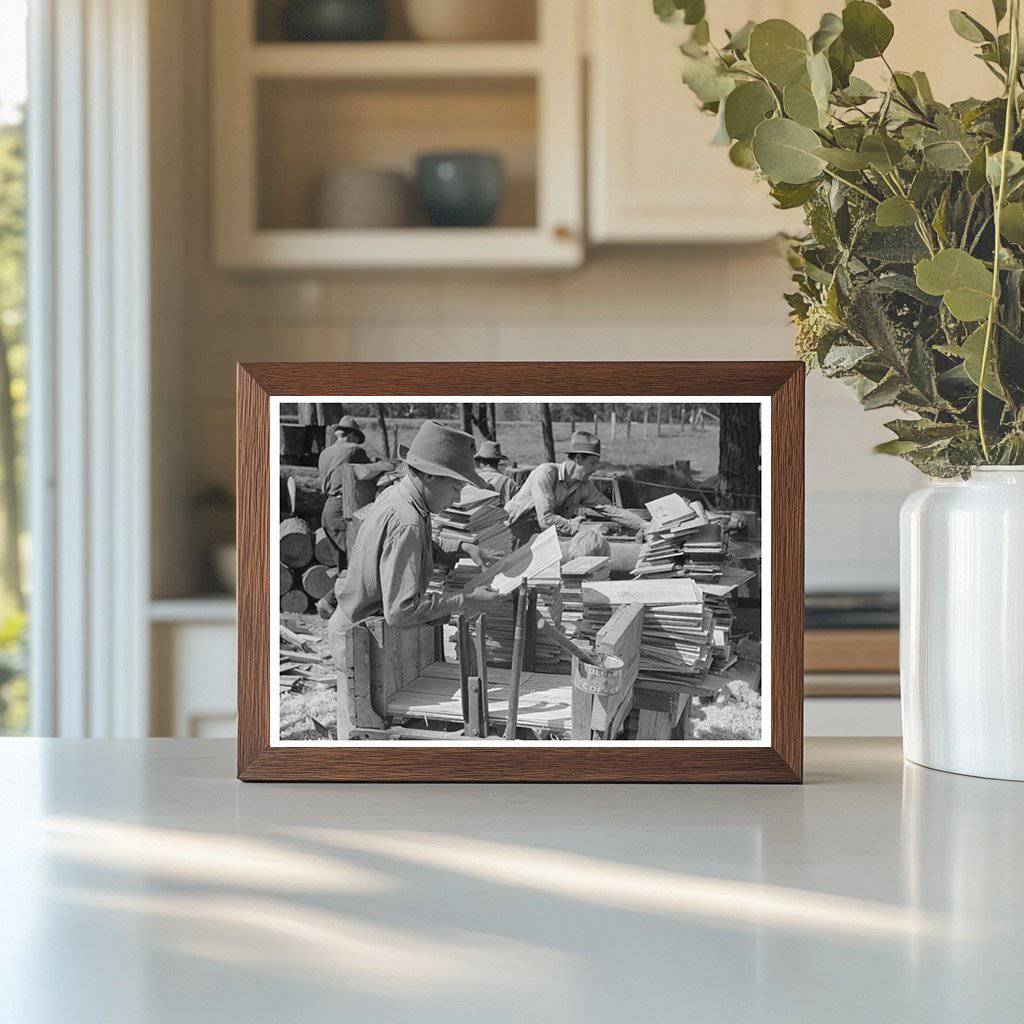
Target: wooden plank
(527,562)
(358,649)
(674,592)
(582,713)
(584,565)
(619,636)
(654,725)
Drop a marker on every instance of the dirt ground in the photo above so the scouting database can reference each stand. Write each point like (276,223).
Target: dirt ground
(310,710)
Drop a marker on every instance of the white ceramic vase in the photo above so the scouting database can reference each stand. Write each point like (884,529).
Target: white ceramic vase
(962,624)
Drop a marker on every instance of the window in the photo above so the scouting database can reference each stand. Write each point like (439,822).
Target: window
(14,691)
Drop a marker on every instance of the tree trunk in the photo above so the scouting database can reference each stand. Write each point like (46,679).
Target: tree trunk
(296,544)
(300,493)
(739,456)
(11,488)
(383,424)
(547,432)
(467,417)
(493,412)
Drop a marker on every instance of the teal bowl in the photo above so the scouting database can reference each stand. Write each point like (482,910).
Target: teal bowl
(461,190)
(334,21)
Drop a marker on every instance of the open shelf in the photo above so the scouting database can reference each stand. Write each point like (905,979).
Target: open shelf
(308,127)
(520,23)
(393,60)
(286,114)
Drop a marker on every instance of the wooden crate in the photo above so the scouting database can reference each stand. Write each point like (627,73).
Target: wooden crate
(380,661)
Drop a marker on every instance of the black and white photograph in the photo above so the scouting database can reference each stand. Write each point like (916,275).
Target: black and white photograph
(512,571)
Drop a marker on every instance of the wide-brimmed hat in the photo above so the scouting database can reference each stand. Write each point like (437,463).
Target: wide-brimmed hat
(583,443)
(352,424)
(444,451)
(491,451)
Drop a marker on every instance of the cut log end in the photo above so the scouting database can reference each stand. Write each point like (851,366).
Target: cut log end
(295,601)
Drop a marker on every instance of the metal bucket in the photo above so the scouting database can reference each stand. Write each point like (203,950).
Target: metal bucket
(600,679)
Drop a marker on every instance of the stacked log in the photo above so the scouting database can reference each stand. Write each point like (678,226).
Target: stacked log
(309,565)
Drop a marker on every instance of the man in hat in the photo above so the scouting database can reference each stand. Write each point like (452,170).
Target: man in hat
(346,450)
(393,555)
(555,492)
(488,461)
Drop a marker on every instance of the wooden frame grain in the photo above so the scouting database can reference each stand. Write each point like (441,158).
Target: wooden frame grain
(781,761)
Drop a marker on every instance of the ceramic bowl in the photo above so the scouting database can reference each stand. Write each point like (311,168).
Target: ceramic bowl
(460,189)
(470,20)
(333,21)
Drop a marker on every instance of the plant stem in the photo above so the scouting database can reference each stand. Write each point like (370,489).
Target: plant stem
(1011,107)
(853,185)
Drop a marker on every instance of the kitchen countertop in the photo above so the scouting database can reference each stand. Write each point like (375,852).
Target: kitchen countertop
(140,882)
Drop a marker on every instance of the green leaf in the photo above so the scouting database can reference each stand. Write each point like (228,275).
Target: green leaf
(923,431)
(947,156)
(999,9)
(801,106)
(829,30)
(976,174)
(993,166)
(884,394)
(841,63)
(924,88)
(788,196)
(971,352)
(844,159)
(779,51)
(883,152)
(787,152)
(739,41)
(690,12)
(969,28)
(1012,223)
(701,34)
(895,212)
(741,155)
(963,281)
(922,185)
(895,447)
(866,29)
(745,108)
(819,74)
(857,91)
(707,78)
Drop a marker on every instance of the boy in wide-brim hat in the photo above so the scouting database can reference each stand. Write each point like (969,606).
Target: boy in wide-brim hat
(393,555)
(347,449)
(555,492)
(488,461)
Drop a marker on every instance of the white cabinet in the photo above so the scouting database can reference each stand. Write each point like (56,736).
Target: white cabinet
(286,114)
(653,175)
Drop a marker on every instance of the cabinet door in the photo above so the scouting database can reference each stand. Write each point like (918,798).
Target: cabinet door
(654,177)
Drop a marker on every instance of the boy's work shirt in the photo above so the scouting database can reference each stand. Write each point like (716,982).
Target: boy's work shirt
(391,563)
(497,481)
(549,495)
(332,458)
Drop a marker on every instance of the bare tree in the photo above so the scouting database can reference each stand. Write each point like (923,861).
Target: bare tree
(739,456)
(547,431)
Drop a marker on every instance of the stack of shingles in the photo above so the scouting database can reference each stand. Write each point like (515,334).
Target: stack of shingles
(677,643)
(478,518)
(675,521)
(719,597)
(301,662)
(575,573)
(309,565)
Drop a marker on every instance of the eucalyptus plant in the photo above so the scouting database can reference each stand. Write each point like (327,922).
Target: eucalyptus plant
(902,289)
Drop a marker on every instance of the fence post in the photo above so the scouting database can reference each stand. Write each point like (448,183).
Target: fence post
(595,425)
(613,424)
(646,416)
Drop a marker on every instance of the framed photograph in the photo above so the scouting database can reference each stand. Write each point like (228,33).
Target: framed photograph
(520,571)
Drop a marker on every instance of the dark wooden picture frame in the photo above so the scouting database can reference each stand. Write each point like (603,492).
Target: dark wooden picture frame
(780,761)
